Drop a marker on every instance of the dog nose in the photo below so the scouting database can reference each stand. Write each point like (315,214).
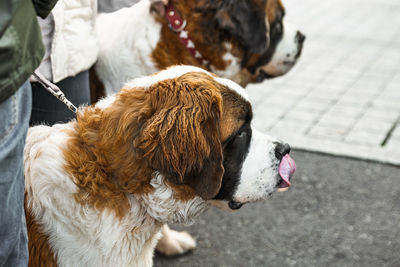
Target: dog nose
(300,38)
(281,149)
(262,75)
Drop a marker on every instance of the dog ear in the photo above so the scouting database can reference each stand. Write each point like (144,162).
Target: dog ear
(182,138)
(158,6)
(246,22)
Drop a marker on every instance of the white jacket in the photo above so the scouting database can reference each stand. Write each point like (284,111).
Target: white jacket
(70,40)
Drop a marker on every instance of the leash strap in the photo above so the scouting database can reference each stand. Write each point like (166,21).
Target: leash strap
(54,90)
(178,25)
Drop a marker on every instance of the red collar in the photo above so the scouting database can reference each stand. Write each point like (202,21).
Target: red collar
(178,25)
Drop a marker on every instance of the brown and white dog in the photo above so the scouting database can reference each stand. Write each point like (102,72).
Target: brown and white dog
(245,41)
(99,188)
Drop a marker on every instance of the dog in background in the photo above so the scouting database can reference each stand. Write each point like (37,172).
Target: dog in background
(245,41)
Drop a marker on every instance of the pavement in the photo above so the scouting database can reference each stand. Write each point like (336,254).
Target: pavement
(343,97)
(342,100)
(338,212)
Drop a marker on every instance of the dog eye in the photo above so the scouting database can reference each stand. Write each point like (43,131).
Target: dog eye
(278,28)
(236,138)
(242,134)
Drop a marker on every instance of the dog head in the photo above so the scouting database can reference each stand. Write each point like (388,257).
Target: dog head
(245,21)
(245,41)
(286,44)
(184,135)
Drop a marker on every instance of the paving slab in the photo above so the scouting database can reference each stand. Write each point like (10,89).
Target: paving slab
(343,97)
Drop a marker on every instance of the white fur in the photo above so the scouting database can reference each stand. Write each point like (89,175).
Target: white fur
(284,57)
(175,243)
(178,211)
(259,171)
(106,102)
(126,39)
(233,67)
(81,235)
(234,86)
(169,73)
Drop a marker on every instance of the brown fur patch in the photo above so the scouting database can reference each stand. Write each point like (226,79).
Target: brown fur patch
(182,137)
(236,111)
(97,89)
(171,127)
(102,160)
(40,253)
(203,31)
(272,8)
(244,77)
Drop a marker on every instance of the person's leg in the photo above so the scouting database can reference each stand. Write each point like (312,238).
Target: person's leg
(47,109)
(14,116)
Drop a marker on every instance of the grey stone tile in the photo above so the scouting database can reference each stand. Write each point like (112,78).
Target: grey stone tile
(393,144)
(383,115)
(301,114)
(313,106)
(351,112)
(290,126)
(352,101)
(374,126)
(396,132)
(333,120)
(365,137)
(386,103)
(329,132)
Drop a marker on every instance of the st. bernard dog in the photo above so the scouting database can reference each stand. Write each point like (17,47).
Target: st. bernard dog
(245,41)
(163,149)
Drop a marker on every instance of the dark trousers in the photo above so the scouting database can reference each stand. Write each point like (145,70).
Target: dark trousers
(47,109)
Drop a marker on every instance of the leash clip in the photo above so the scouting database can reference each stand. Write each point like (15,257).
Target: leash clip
(54,90)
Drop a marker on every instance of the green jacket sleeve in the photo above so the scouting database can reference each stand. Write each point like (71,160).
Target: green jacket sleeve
(43,7)
(21,48)
(7,9)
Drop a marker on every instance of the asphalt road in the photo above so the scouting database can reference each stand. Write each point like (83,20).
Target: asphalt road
(339,212)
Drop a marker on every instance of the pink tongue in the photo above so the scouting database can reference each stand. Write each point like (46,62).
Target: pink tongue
(286,169)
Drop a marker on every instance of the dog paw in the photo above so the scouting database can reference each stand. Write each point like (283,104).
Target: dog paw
(173,243)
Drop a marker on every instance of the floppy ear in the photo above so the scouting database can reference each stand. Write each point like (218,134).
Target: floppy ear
(158,6)
(182,138)
(246,22)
